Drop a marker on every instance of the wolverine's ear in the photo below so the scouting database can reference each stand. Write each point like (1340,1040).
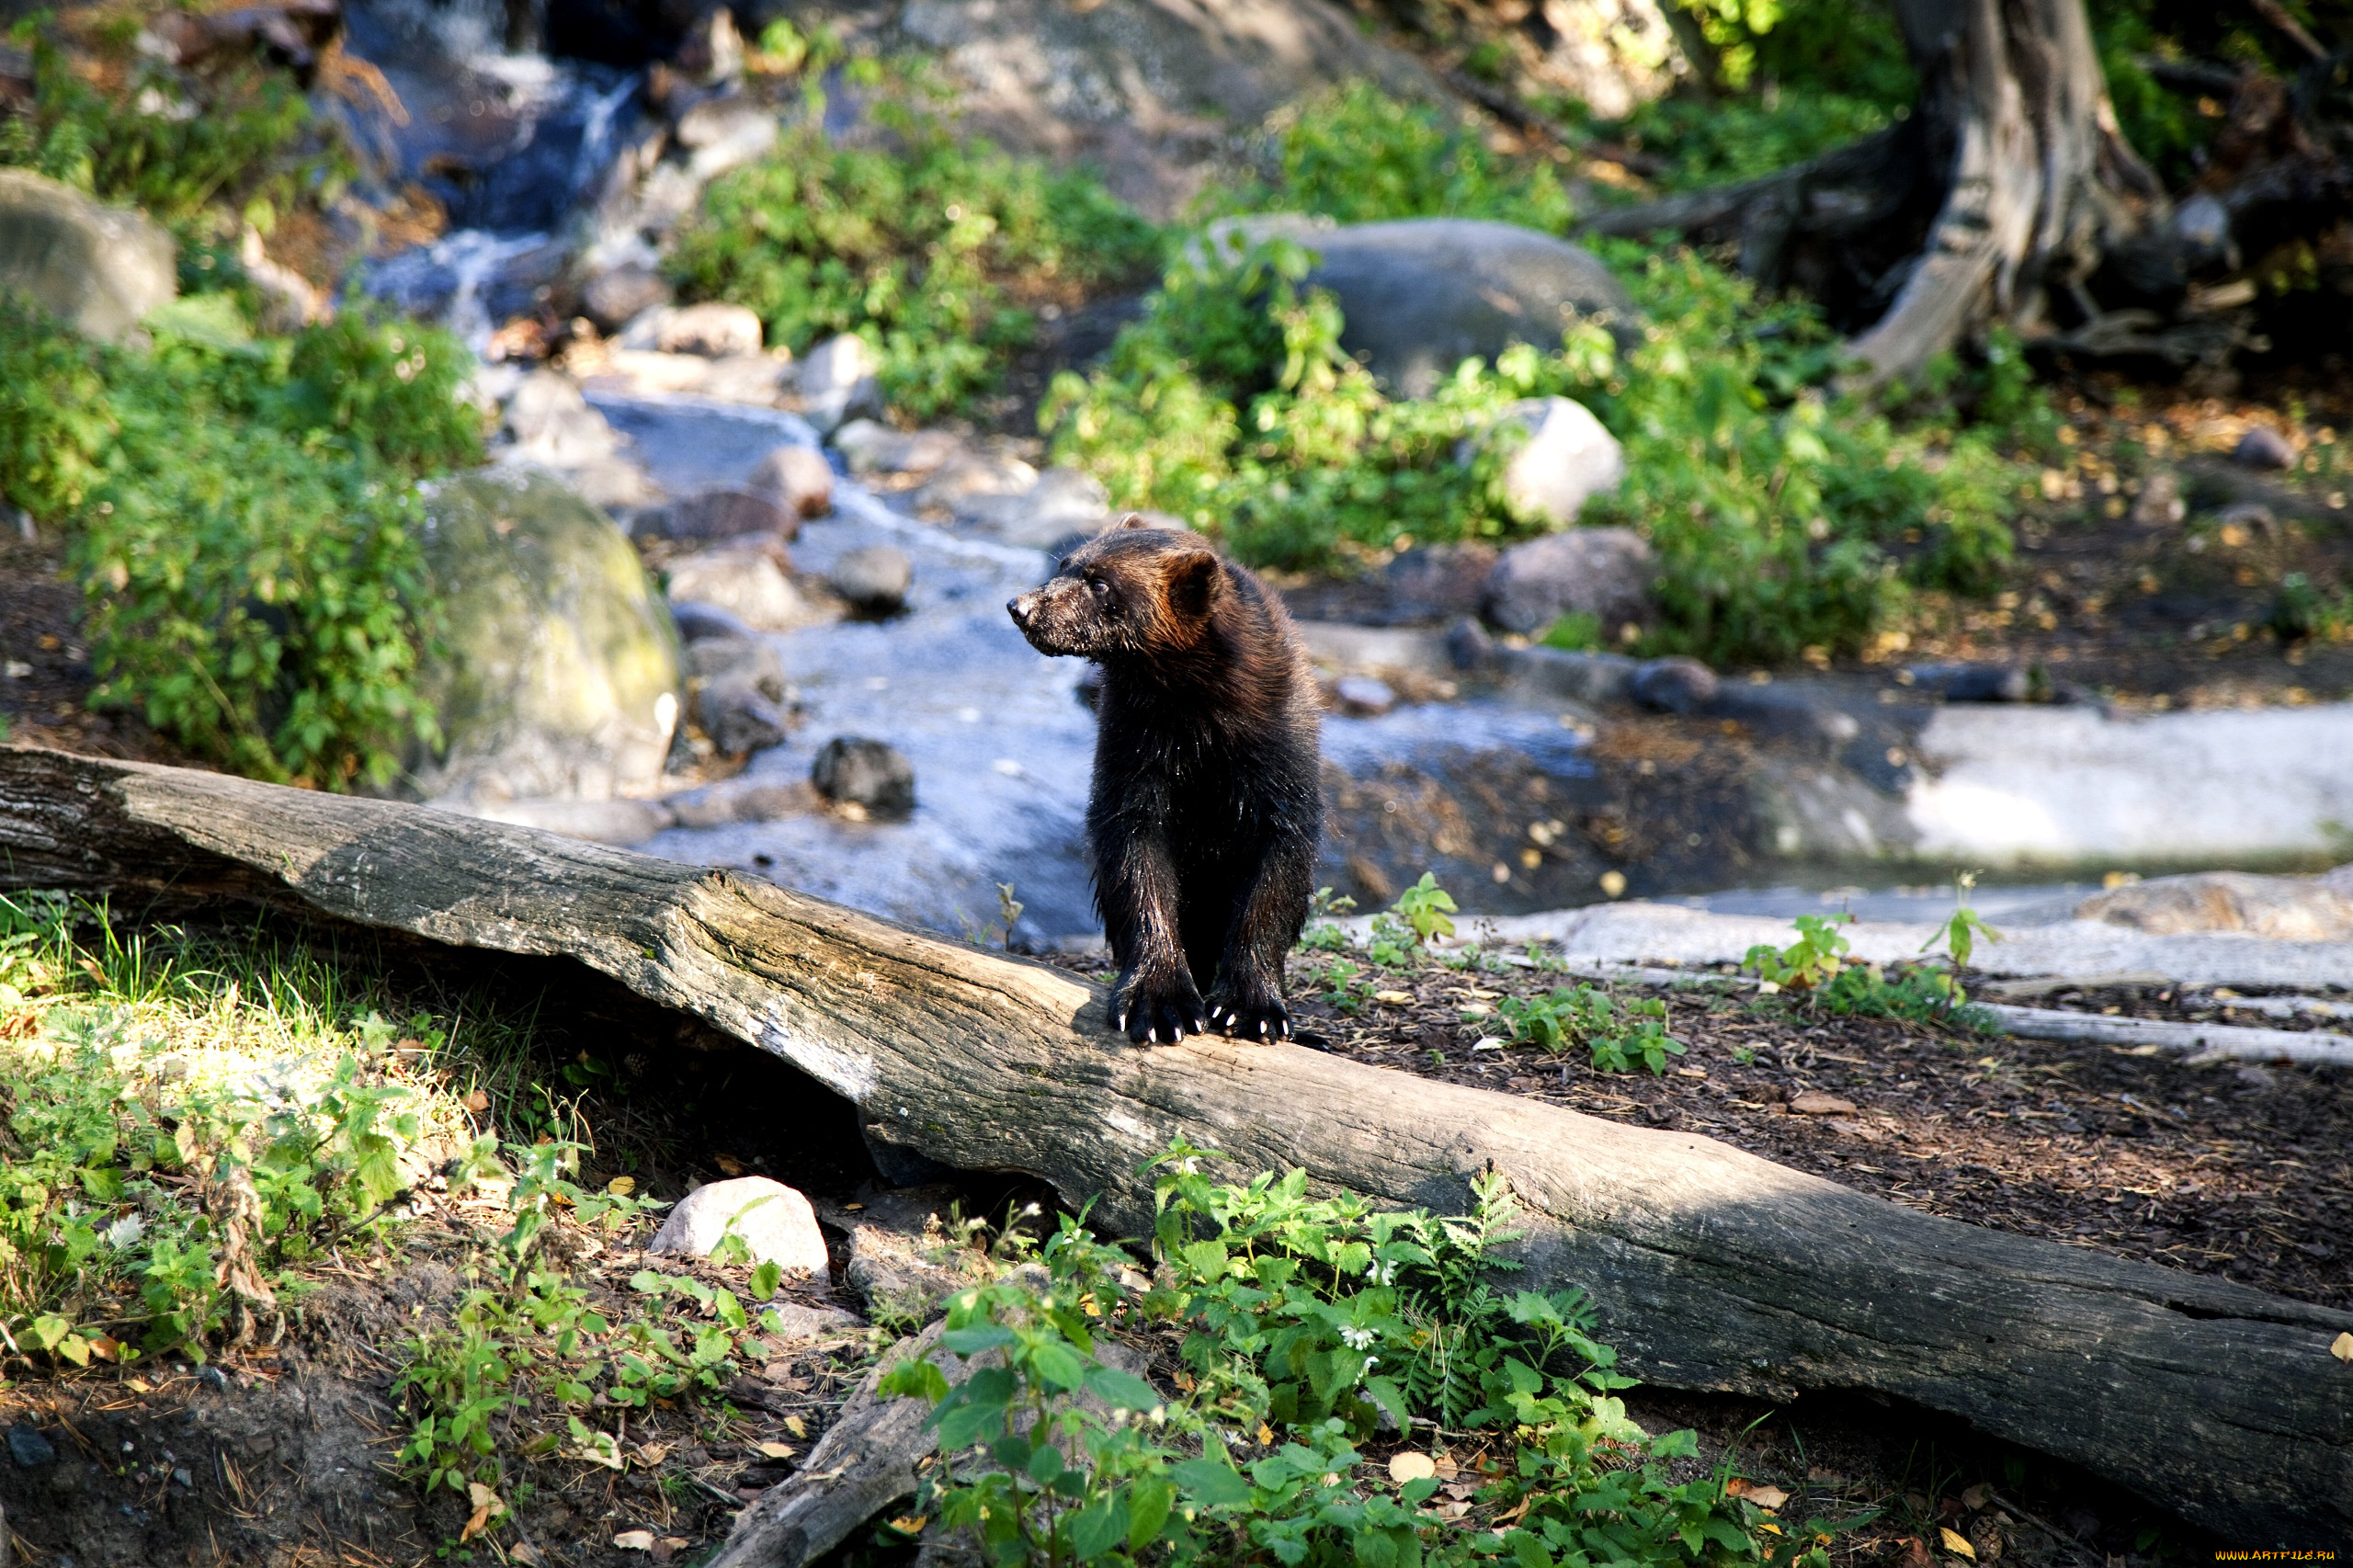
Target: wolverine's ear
(1134,520)
(1194,580)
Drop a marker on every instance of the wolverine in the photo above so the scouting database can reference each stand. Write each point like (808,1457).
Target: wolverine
(1204,815)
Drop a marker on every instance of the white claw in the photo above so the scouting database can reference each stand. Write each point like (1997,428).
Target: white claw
(1151,1036)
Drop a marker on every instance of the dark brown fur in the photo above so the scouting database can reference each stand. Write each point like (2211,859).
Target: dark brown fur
(1205,812)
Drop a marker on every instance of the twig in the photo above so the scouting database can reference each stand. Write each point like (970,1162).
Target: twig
(2277,14)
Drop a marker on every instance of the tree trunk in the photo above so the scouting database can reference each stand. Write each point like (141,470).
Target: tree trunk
(2009,182)
(1708,1268)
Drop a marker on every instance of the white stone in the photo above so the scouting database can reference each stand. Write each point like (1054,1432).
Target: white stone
(713,330)
(553,424)
(1566,461)
(96,268)
(776,1223)
(796,478)
(838,378)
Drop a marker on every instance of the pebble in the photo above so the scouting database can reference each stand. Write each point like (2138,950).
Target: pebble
(799,479)
(722,513)
(866,778)
(29,1447)
(1675,684)
(213,1377)
(699,622)
(776,1223)
(875,579)
(2262,446)
(1362,696)
(613,298)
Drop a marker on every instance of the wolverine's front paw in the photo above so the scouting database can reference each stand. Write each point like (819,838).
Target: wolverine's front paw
(1157,1009)
(1250,1009)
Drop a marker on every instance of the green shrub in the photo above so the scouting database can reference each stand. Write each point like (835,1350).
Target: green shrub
(935,248)
(242,519)
(1356,154)
(1782,520)
(1618,1032)
(247,136)
(1306,1324)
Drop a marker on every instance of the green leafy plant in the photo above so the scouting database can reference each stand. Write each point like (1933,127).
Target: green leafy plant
(1618,1031)
(1818,969)
(1305,1324)
(243,521)
(934,245)
(1322,934)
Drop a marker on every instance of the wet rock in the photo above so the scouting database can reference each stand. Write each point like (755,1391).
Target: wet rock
(870,446)
(1362,696)
(798,479)
(747,583)
(2262,446)
(1062,502)
(776,1223)
(1605,573)
(1421,295)
(974,477)
(558,671)
(96,268)
(1970,683)
(29,1447)
(711,330)
(1436,582)
(553,424)
(2285,909)
(2159,505)
(1565,460)
(742,699)
(722,513)
(837,381)
(698,621)
(864,778)
(620,294)
(720,133)
(1468,646)
(1673,685)
(875,579)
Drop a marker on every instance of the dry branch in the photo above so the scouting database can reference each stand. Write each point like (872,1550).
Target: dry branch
(1710,1268)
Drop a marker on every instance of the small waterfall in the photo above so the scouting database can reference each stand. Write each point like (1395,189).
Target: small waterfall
(509,144)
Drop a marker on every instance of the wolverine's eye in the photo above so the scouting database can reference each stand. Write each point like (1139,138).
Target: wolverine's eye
(1101,589)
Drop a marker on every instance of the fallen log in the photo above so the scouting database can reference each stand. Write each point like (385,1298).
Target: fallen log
(1710,1268)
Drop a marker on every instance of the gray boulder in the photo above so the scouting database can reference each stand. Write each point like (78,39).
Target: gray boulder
(742,699)
(776,1223)
(1363,697)
(1063,502)
(1567,458)
(713,330)
(870,446)
(1424,294)
(722,513)
(1675,685)
(558,670)
(837,381)
(2262,446)
(1604,573)
(96,268)
(864,778)
(2284,909)
(619,295)
(749,584)
(875,579)
(700,622)
(798,479)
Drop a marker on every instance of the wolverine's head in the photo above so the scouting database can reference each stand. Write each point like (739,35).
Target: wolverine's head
(1133,590)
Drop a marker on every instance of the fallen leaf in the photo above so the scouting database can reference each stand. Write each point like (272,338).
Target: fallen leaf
(1394,998)
(1815,1103)
(479,1102)
(2342,1348)
(778,1450)
(137,1385)
(105,1348)
(651,1453)
(728,1164)
(910,1524)
(1916,1552)
(1446,1468)
(1762,1495)
(1265,1434)
(1410,1466)
(1974,1497)
(635,1540)
(621,1186)
(794,1425)
(529,1556)
(487,1507)
(1957,1543)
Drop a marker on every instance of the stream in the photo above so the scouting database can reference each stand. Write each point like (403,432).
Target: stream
(517,147)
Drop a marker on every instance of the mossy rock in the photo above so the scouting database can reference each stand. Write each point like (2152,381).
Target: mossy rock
(96,268)
(558,670)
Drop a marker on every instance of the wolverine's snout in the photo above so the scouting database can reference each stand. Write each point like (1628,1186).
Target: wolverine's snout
(1021,610)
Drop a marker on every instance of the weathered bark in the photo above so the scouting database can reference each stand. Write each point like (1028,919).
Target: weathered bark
(865,1463)
(1708,1268)
(2009,181)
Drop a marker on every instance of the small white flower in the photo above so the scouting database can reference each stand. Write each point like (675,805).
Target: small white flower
(126,1230)
(1358,1338)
